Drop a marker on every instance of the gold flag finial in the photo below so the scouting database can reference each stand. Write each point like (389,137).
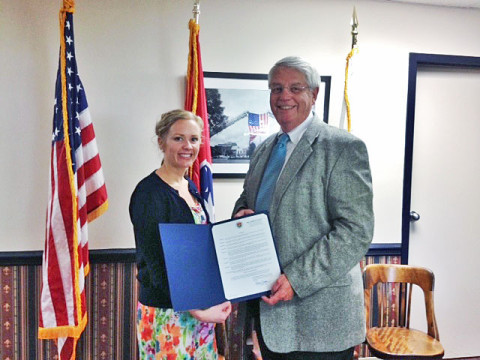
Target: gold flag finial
(354,23)
(196,10)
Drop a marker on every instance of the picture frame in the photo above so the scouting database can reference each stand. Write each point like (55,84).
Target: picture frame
(240,118)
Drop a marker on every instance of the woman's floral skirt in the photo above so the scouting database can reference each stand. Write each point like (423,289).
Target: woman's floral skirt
(168,335)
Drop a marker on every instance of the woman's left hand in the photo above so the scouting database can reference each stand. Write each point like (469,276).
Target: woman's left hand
(215,314)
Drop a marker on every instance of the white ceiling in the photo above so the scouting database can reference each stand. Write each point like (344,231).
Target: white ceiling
(452,3)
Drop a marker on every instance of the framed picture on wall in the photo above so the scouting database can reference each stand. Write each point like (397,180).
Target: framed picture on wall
(240,118)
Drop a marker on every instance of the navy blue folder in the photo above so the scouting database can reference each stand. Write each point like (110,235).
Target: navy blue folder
(192,267)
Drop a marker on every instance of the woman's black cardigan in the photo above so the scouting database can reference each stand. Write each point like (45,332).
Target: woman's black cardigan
(153,201)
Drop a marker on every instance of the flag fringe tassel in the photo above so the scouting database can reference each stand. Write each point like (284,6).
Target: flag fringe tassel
(63,331)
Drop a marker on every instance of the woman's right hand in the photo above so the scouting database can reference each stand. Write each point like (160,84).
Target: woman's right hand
(215,314)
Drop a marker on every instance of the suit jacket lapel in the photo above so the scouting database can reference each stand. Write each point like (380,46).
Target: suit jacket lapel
(299,156)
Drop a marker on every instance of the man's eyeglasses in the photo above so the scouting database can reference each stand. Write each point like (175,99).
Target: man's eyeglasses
(294,89)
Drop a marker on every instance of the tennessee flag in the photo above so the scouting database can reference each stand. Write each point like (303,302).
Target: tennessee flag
(77,195)
(196,102)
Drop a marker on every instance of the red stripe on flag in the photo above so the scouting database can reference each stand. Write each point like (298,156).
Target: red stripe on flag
(82,212)
(64,196)
(91,166)
(88,134)
(98,196)
(68,349)
(55,286)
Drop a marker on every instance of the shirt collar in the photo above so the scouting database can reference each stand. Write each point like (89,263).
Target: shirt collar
(296,134)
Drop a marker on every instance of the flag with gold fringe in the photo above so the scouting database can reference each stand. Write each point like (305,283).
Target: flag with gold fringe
(77,195)
(196,102)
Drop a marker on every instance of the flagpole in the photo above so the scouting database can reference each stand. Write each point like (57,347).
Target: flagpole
(354,23)
(196,10)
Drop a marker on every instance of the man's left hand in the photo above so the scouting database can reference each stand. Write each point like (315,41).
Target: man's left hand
(281,291)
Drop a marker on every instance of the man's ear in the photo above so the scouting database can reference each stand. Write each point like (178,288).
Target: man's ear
(315,94)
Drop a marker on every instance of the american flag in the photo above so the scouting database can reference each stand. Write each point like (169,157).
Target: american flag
(257,123)
(196,102)
(77,195)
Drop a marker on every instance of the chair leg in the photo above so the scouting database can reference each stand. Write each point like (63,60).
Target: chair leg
(356,352)
(256,346)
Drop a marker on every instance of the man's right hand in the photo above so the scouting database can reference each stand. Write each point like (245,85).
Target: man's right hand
(244,212)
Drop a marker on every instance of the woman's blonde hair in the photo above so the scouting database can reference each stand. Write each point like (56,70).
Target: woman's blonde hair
(171,117)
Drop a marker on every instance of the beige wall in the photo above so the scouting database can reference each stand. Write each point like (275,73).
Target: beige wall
(132,58)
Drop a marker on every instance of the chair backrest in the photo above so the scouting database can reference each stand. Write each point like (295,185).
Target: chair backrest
(406,276)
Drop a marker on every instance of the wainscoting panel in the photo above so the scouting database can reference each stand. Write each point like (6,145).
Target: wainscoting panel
(110,333)
(112,300)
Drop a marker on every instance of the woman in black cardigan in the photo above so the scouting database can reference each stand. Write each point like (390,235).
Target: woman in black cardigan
(168,196)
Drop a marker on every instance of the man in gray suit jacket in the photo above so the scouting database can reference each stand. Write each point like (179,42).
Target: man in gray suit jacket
(322,220)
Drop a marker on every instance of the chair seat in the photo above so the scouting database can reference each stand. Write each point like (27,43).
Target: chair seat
(391,342)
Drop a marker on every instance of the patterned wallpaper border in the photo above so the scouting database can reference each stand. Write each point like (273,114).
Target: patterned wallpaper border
(112,294)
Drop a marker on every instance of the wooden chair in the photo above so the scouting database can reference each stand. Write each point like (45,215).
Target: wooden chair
(399,341)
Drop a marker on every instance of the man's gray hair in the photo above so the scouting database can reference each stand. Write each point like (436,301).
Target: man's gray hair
(297,63)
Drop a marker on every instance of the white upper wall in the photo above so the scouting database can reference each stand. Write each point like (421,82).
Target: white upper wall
(132,59)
